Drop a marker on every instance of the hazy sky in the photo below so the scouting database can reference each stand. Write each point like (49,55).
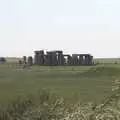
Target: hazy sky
(75,26)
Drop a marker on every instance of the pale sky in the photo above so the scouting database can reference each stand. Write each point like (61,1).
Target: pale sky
(74,26)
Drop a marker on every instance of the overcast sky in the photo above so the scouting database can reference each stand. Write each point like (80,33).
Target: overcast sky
(74,26)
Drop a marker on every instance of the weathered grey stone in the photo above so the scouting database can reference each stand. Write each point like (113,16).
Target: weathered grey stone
(30,61)
(24,59)
(57,58)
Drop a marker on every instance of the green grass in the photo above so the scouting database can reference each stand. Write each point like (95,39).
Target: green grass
(12,59)
(22,95)
(107,60)
(73,83)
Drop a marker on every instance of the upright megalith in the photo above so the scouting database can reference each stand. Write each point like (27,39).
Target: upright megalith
(30,61)
(75,60)
(46,62)
(81,59)
(67,60)
(90,59)
(60,58)
(36,57)
(54,58)
(41,57)
(49,58)
(24,59)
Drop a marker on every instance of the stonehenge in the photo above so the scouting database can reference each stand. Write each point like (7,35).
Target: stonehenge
(57,58)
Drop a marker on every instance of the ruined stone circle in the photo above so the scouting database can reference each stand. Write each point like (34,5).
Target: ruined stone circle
(57,58)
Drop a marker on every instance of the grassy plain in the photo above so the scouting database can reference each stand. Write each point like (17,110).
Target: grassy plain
(73,83)
(107,60)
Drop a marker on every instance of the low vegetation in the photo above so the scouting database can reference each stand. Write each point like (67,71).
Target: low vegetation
(27,103)
(48,106)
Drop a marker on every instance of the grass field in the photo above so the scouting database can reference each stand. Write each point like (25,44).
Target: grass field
(73,83)
(107,60)
(22,94)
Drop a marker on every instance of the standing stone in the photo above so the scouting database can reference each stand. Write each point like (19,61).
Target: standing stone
(86,59)
(75,59)
(81,60)
(90,60)
(69,60)
(37,57)
(30,61)
(49,58)
(54,58)
(24,59)
(41,57)
(45,60)
(60,58)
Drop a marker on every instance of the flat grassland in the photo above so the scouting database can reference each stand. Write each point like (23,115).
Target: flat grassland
(74,83)
(107,60)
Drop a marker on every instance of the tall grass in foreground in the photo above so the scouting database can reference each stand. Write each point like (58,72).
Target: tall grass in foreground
(48,106)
